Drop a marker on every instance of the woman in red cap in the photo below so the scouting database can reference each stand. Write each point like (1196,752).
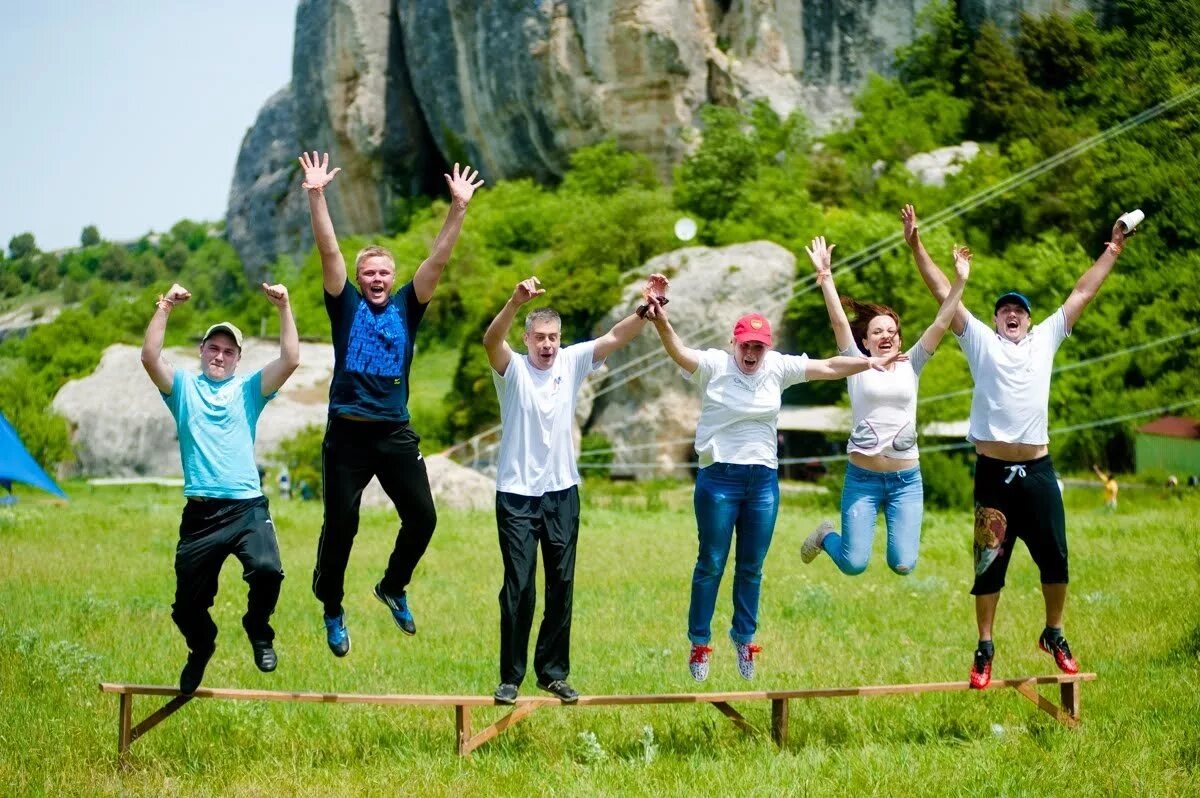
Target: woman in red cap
(883,472)
(737,487)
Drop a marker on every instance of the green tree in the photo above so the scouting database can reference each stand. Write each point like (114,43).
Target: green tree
(22,246)
(90,236)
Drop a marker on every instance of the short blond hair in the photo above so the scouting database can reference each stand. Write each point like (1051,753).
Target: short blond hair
(373,252)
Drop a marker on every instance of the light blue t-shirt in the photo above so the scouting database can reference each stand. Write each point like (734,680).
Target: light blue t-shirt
(216,423)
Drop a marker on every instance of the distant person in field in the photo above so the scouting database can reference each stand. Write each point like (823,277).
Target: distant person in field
(737,488)
(1016,487)
(1111,488)
(226,513)
(884,472)
(537,483)
(368,433)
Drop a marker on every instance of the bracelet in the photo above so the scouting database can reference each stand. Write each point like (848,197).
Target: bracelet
(159,303)
(1114,248)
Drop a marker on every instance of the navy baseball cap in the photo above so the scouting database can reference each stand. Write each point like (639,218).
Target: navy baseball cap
(1014,296)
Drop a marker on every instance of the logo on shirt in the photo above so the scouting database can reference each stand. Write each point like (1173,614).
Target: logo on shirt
(378,342)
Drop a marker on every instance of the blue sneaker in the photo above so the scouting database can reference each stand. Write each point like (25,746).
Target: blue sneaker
(399,607)
(337,635)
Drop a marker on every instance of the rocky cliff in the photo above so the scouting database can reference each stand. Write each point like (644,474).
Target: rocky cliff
(395,89)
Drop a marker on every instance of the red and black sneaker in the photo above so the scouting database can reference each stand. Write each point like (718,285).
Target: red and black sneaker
(1061,651)
(981,670)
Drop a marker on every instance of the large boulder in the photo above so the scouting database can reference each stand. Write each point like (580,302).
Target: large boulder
(645,407)
(453,486)
(933,167)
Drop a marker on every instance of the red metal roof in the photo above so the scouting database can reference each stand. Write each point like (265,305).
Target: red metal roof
(1173,427)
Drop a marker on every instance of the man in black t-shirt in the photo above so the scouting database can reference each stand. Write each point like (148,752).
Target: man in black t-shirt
(368,433)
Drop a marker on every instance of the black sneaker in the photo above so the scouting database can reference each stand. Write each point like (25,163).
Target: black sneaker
(399,607)
(506,694)
(193,671)
(264,655)
(560,688)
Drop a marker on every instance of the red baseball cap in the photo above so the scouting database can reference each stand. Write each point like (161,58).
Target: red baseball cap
(752,327)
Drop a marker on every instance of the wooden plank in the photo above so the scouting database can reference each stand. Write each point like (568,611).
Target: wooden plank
(1029,690)
(1069,693)
(508,721)
(779,721)
(734,716)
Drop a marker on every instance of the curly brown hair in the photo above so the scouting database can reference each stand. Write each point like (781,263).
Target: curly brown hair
(863,313)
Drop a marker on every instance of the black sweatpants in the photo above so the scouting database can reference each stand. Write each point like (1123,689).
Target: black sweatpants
(211,530)
(524,521)
(1018,500)
(353,452)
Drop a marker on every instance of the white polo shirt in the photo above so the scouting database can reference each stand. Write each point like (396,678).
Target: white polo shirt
(537,414)
(883,406)
(1012,381)
(739,413)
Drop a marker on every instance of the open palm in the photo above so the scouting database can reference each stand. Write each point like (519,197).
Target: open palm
(463,184)
(316,170)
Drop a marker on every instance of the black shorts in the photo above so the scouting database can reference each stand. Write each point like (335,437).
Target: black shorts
(1017,500)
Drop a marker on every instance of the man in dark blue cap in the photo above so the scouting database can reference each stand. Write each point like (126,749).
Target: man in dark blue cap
(1016,488)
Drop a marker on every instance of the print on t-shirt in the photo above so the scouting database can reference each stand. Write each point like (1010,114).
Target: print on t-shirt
(378,342)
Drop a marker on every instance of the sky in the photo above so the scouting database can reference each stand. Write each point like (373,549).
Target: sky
(129,115)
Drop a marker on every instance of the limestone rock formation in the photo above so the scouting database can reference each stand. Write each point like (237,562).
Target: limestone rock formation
(932,168)
(645,407)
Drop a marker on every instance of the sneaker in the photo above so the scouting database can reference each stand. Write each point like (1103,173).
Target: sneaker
(698,661)
(506,693)
(745,658)
(1061,651)
(813,543)
(264,655)
(560,688)
(193,671)
(337,635)
(399,607)
(981,670)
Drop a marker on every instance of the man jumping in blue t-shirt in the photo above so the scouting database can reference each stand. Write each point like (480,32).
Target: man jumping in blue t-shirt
(226,513)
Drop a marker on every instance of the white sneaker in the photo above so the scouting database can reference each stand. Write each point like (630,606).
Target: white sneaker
(813,543)
(745,658)
(698,661)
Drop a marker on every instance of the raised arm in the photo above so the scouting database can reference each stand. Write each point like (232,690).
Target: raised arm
(495,338)
(1099,473)
(621,333)
(276,373)
(1089,284)
(822,258)
(162,373)
(949,309)
(316,177)
(687,359)
(937,282)
(840,367)
(462,188)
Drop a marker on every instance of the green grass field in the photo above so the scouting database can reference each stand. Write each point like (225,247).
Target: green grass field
(86,591)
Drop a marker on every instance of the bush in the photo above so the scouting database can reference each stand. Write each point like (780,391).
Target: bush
(947,480)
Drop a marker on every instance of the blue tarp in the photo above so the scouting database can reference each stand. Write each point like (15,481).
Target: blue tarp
(17,465)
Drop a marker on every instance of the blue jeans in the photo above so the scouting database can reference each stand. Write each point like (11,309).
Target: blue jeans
(729,496)
(902,497)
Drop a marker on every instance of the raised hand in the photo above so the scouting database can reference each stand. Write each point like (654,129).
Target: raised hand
(962,262)
(316,171)
(821,257)
(527,290)
(177,294)
(1117,242)
(277,295)
(882,363)
(463,184)
(908,215)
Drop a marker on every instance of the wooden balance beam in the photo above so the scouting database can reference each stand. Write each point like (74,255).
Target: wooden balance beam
(1067,714)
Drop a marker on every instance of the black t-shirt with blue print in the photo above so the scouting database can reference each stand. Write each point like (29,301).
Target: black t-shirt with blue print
(372,350)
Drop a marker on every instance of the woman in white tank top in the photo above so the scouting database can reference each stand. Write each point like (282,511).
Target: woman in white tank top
(883,472)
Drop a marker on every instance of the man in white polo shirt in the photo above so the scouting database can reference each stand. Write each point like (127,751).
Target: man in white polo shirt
(537,494)
(1016,487)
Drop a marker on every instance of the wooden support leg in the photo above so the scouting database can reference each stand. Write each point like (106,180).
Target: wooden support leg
(511,719)
(158,717)
(1069,692)
(734,716)
(1030,691)
(124,724)
(462,722)
(779,721)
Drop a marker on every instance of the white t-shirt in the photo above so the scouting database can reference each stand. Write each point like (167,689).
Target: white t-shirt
(883,405)
(1012,381)
(739,412)
(537,414)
